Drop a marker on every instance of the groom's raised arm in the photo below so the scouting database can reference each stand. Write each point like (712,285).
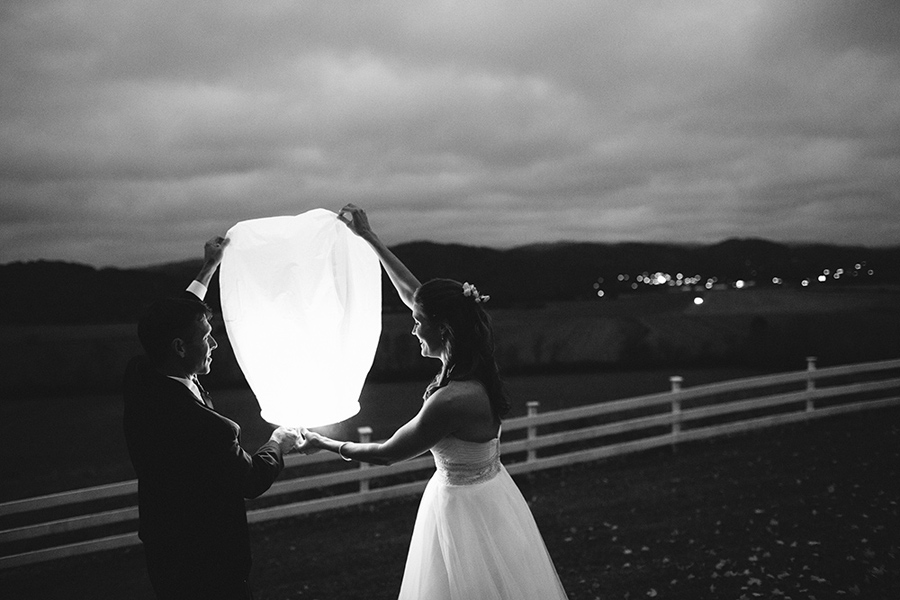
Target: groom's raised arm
(212,257)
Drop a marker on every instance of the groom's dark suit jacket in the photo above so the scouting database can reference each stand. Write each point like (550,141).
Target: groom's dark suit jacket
(193,475)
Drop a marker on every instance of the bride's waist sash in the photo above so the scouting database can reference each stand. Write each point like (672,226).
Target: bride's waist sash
(451,473)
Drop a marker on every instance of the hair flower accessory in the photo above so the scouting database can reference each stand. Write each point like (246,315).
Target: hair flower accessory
(470,291)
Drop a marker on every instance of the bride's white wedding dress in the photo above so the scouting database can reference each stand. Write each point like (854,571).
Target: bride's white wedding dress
(475,537)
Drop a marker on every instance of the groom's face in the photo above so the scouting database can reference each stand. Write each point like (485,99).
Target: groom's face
(198,347)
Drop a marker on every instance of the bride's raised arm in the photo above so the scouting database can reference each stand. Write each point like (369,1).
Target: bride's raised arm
(404,281)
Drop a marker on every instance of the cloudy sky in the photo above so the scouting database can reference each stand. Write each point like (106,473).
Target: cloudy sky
(130,132)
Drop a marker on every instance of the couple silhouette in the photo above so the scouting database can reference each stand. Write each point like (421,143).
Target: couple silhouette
(474,536)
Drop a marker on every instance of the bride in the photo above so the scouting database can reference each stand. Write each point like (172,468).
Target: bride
(474,536)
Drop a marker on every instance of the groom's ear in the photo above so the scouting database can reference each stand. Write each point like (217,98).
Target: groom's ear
(177,347)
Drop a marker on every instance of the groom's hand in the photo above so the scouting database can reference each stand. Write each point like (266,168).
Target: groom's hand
(213,250)
(286,438)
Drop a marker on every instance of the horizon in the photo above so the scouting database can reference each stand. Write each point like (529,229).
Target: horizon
(559,243)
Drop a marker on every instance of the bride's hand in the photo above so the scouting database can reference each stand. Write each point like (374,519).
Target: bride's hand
(309,442)
(356,220)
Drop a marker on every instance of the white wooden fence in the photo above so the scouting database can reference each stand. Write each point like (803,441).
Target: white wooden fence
(567,436)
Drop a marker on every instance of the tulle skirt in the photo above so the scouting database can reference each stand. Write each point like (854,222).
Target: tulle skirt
(477,542)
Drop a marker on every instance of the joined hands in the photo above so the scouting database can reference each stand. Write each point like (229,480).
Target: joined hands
(286,438)
(309,442)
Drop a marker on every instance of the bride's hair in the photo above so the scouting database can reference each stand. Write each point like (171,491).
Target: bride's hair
(468,339)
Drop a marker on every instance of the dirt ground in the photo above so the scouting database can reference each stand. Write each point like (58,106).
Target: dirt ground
(808,511)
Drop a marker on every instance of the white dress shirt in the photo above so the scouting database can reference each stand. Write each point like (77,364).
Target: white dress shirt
(197,289)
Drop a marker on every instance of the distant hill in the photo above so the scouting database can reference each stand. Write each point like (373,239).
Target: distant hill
(59,292)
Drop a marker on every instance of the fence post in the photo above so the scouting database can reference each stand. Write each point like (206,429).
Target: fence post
(531,431)
(365,436)
(810,382)
(675,381)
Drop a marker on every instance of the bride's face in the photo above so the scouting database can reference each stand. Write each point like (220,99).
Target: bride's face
(431,343)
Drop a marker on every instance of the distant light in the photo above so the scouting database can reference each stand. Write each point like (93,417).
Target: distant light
(660,278)
(827,272)
(596,286)
(739,284)
(634,286)
(857,266)
(600,293)
(709,285)
(805,283)
(871,272)
(822,278)
(777,280)
(698,300)
(621,277)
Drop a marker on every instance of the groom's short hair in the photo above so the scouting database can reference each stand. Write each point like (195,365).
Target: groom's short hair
(166,320)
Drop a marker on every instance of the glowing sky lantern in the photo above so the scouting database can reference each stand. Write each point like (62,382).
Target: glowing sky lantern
(301,300)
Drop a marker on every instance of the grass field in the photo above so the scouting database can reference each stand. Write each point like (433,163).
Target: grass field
(807,511)
(775,327)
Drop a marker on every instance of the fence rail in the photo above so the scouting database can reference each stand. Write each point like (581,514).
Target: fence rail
(581,434)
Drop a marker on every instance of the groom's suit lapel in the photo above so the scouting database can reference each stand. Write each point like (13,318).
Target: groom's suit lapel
(184,392)
(207,399)
(177,394)
(206,404)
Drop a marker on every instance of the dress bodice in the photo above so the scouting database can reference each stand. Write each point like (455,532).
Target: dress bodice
(460,462)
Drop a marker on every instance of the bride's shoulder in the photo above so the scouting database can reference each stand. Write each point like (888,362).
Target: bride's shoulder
(460,390)
(464,404)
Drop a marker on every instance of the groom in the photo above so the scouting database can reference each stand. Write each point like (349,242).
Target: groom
(192,473)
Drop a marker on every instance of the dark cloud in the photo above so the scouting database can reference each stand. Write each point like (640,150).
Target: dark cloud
(130,133)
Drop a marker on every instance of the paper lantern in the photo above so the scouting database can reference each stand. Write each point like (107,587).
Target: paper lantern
(301,300)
